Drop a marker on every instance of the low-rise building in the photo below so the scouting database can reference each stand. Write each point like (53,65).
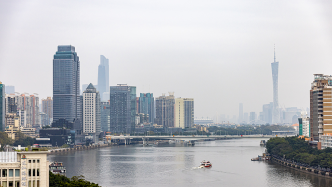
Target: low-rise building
(27,168)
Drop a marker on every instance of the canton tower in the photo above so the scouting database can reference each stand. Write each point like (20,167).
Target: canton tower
(275,68)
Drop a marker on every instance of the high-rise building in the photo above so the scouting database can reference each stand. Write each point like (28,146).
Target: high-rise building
(91,112)
(47,108)
(275,69)
(267,113)
(146,105)
(252,117)
(103,76)
(30,105)
(165,110)
(320,106)
(66,84)
(240,112)
(2,107)
(105,116)
(122,108)
(11,103)
(245,117)
(184,112)
(10,89)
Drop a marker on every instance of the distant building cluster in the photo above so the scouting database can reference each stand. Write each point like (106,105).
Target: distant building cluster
(81,116)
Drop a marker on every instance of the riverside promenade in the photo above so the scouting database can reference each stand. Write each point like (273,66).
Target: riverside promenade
(295,166)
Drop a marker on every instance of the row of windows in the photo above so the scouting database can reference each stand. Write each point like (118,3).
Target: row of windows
(10,173)
(33,161)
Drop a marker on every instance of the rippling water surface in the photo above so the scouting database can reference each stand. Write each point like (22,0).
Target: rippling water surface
(135,165)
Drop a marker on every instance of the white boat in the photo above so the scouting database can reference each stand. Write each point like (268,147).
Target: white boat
(205,164)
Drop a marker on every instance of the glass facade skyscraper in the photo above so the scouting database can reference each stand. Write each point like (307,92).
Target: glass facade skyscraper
(103,77)
(146,105)
(66,84)
(122,108)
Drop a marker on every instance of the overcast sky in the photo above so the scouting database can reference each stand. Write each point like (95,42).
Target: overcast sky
(217,52)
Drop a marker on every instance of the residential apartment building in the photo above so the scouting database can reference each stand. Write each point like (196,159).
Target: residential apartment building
(320,106)
(91,112)
(47,108)
(165,110)
(23,169)
(184,112)
(122,108)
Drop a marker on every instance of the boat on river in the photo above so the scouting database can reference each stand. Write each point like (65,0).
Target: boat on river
(205,164)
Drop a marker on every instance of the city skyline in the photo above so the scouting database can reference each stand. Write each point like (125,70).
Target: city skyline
(211,49)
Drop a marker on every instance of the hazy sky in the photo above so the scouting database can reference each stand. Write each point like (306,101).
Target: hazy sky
(217,52)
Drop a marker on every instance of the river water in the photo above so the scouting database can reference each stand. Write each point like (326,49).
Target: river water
(174,165)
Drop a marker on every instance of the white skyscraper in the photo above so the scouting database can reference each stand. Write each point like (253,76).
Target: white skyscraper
(91,112)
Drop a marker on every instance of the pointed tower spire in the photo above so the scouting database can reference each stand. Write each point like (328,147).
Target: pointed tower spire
(274,52)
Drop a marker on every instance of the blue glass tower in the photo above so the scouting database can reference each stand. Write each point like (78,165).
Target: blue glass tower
(66,84)
(122,108)
(146,105)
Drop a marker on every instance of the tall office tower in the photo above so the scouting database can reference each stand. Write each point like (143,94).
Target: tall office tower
(275,69)
(66,84)
(122,108)
(91,112)
(105,116)
(2,107)
(184,112)
(240,112)
(146,105)
(252,117)
(165,110)
(267,113)
(10,89)
(245,117)
(103,76)
(47,108)
(320,106)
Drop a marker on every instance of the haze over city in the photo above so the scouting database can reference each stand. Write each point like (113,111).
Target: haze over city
(218,53)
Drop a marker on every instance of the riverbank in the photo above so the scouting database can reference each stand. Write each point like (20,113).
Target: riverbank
(308,170)
(77,148)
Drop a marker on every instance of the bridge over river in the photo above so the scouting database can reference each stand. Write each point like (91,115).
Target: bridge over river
(192,138)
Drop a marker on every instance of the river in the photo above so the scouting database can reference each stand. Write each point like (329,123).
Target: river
(172,165)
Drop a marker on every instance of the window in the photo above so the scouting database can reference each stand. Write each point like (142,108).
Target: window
(29,172)
(38,161)
(34,161)
(4,173)
(4,183)
(33,172)
(29,161)
(17,184)
(37,172)
(11,184)
(11,173)
(17,172)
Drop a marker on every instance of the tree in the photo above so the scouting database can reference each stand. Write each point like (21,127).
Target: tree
(63,181)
